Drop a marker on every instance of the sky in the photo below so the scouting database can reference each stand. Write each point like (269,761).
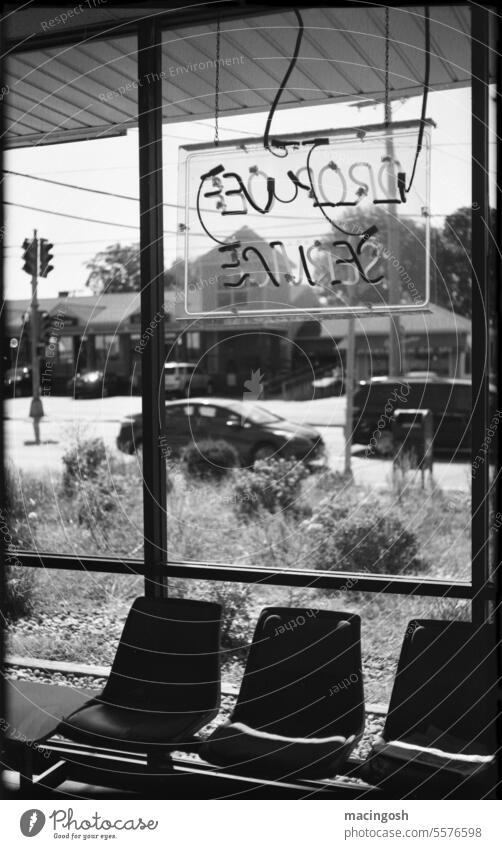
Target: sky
(112,165)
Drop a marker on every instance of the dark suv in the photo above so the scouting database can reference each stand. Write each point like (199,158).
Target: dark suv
(448,399)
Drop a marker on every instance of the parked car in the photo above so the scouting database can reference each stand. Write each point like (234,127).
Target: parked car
(448,399)
(254,432)
(182,379)
(17,381)
(94,384)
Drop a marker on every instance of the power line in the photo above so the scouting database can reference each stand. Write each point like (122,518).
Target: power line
(121,197)
(130,197)
(70,185)
(76,217)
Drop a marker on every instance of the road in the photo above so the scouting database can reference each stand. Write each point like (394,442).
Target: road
(101,417)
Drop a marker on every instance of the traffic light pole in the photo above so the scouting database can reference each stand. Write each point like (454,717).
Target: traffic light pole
(35,366)
(36,409)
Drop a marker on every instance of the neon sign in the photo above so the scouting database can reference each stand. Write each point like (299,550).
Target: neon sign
(326,227)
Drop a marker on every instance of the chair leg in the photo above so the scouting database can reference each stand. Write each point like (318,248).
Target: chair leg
(53,776)
(26,771)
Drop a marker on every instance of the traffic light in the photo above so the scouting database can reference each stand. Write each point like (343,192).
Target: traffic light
(45,321)
(30,251)
(45,257)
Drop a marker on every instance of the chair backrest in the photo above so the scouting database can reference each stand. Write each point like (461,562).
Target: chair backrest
(303,675)
(168,658)
(446,680)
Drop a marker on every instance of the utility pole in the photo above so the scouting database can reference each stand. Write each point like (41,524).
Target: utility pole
(396,348)
(350,364)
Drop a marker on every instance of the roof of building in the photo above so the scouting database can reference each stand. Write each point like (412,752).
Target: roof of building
(437,320)
(112,310)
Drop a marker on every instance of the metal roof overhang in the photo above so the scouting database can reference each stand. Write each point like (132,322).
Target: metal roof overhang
(87,87)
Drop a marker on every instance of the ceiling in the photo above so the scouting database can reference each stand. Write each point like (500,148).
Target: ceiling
(89,89)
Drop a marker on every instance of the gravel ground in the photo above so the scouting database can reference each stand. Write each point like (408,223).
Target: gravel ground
(59,633)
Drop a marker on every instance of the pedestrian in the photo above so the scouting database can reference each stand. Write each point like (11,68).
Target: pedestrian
(36,413)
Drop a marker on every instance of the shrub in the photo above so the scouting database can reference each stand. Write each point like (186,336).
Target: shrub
(25,496)
(272,485)
(95,499)
(356,541)
(83,460)
(210,459)
(18,600)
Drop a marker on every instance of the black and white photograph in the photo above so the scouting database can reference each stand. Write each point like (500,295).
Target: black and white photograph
(250,498)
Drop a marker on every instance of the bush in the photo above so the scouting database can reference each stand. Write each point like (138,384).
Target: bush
(210,459)
(26,498)
(95,499)
(272,485)
(356,541)
(18,600)
(83,461)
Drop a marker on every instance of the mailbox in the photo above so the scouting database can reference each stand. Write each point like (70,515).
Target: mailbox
(413,433)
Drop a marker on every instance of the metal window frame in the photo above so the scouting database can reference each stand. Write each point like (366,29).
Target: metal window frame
(156,567)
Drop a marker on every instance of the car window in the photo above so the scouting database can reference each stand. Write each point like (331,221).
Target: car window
(180,413)
(207,412)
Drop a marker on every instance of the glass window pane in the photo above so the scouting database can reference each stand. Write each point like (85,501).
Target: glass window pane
(315,503)
(75,492)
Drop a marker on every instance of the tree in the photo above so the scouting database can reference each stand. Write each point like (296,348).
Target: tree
(116,269)
(453,275)
(451,262)
(410,260)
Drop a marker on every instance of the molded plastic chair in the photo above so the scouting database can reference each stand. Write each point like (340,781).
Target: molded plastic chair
(300,709)
(439,735)
(165,680)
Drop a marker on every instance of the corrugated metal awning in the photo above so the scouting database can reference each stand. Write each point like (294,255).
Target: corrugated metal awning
(90,89)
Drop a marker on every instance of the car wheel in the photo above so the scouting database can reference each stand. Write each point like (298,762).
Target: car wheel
(264,451)
(385,444)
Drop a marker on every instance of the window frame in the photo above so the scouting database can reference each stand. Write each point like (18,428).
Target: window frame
(156,566)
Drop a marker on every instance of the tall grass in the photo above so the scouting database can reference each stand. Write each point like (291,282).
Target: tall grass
(102,514)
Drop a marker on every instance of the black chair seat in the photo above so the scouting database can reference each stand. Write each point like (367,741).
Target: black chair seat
(133,729)
(300,709)
(164,684)
(259,753)
(440,733)
(389,757)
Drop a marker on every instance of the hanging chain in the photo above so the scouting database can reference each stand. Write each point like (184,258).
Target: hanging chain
(387,52)
(217,86)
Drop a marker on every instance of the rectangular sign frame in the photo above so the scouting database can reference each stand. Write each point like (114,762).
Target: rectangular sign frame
(191,218)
